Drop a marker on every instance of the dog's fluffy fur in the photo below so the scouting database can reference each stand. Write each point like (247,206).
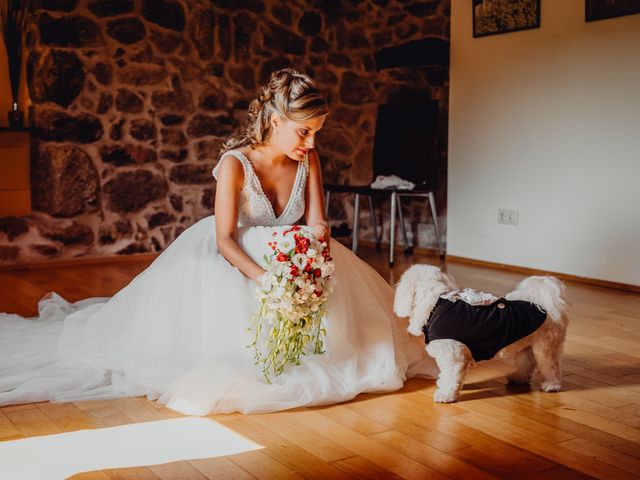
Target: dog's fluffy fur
(416,296)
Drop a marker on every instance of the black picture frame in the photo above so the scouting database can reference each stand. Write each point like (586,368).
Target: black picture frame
(494,17)
(603,9)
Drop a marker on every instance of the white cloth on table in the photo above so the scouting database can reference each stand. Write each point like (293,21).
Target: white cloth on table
(383,182)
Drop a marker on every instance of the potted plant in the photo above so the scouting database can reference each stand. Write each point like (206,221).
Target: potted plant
(13,23)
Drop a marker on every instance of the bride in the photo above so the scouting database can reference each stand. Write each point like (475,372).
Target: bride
(178,332)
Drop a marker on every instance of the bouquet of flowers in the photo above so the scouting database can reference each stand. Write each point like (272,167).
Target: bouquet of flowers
(293,297)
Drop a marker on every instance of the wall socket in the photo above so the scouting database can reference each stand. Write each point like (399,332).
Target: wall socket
(508,217)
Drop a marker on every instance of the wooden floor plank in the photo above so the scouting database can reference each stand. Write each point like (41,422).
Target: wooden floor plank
(137,473)
(137,409)
(536,430)
(359,468)
(8,431)
(177,471)
(496,449)
(490,461)
(431,457)
(523,406)
(605,455)
(560,472)
(362,445)
(66,416)
(297,459)
(358,423)
(220,468)
(90,476)
(540,446)
(601,423)
(413,420)
(607,395)
(107,416)
(319,445)
(263,467)
(32,422)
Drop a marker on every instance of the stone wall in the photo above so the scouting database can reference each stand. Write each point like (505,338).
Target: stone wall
(132,99)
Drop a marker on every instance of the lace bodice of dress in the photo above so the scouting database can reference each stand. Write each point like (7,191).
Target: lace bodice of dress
(255,208)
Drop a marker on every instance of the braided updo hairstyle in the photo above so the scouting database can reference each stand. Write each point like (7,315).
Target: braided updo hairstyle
(288,93)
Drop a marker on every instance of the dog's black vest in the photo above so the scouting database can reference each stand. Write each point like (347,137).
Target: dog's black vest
(485,329)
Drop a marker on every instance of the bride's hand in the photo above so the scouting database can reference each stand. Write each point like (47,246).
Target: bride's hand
(322,232)
(259,278)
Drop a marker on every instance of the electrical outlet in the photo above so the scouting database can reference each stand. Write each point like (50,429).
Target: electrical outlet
(508,217)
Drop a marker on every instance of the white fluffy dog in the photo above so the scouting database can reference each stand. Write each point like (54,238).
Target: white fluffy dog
(536,308)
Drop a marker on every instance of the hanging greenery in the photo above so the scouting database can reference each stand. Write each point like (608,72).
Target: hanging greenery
(13,23)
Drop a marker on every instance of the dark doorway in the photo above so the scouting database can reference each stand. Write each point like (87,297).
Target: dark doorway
(405,142)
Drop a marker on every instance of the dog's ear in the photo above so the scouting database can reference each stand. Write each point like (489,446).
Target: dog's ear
(417,293)
(405,290)
(425,300)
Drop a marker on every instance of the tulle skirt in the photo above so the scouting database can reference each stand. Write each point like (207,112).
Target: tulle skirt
(178,333)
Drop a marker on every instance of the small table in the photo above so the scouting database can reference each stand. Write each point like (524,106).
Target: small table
(396,208)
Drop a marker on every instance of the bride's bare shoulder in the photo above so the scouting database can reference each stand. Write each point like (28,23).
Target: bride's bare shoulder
(230,169)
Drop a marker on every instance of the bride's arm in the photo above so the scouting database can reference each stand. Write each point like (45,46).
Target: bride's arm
(230,180)
(314,213)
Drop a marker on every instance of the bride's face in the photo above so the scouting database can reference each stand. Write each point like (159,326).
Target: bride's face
(295,139)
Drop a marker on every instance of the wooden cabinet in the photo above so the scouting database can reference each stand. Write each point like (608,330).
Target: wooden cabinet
(15,185)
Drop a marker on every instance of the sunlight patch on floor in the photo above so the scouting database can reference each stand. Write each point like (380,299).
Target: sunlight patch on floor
(62,455)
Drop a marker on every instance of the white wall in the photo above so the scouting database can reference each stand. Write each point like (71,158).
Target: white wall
(547,121)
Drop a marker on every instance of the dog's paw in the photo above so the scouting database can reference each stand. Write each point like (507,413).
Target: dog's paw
(444,397)
(518,378)
(550,386)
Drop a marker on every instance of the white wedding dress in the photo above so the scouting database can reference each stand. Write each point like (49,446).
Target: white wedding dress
(178,332)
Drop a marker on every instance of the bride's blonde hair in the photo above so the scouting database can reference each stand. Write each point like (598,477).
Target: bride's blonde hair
(288,93)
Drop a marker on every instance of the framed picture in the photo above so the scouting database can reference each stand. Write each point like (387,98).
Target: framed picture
(491,17)
(601,9)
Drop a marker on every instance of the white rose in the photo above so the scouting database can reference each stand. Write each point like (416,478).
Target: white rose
(286,244)
(299,260)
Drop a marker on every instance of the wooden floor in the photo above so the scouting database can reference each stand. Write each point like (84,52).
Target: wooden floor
(590,429)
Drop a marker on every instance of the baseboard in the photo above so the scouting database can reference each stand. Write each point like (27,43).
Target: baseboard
(532,271)
(75,262)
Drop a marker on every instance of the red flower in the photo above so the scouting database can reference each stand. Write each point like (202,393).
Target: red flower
(294,271)
(317,273)
(294,228)
(282,257)
(302,244)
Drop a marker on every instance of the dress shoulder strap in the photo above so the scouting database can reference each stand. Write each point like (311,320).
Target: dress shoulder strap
(237,154)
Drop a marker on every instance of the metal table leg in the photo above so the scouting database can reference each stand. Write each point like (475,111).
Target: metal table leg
(434,213)
(327,199)
(392,228)
(356,224)
(403,229)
